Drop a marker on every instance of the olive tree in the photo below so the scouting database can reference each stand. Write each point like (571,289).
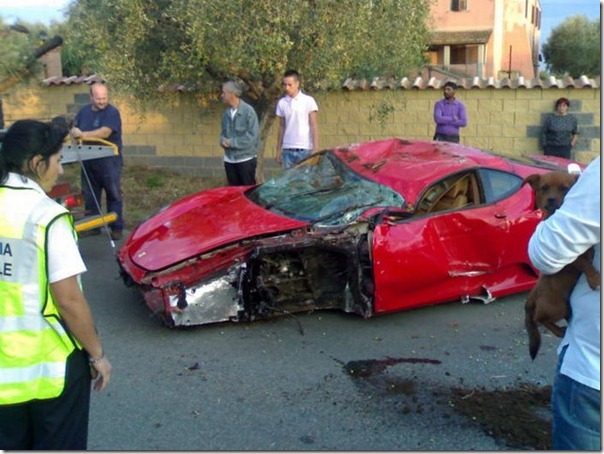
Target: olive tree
(140,45)
(573,47)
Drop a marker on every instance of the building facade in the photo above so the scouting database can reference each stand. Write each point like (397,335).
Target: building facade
(485,38)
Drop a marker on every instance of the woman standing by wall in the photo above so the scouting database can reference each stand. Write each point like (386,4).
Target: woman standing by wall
(49,348)
(560,131)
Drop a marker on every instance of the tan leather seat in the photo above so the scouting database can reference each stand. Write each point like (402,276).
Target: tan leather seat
(455,197)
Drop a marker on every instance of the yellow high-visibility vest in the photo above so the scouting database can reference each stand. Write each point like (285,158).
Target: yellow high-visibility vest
(34,342)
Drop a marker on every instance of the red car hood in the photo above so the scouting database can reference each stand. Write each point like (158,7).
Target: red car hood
(200,223)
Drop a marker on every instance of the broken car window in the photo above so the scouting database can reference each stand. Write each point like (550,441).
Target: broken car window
(323,190)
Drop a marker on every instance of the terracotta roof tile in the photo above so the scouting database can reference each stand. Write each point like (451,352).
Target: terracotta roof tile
(72,80)
(180,88)
(422,83)
(443,37)
(391,83)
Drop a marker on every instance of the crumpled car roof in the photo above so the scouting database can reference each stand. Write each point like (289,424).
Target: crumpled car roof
(423,162)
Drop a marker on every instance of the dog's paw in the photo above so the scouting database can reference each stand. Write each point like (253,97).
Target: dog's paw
(594,280)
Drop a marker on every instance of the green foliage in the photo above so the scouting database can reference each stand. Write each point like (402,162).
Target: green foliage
(155,181)
(20,41)
(140,46)
(380,112)
(18,44)
(573,48)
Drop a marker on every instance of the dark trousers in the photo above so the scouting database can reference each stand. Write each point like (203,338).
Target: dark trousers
(562,151)
(104,174)
(241,173)
(446,138)
(60,423)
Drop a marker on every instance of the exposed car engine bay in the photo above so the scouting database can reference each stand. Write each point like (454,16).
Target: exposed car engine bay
(277,278)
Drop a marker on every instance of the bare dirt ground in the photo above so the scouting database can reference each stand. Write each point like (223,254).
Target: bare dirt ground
(146,190)
(518,417)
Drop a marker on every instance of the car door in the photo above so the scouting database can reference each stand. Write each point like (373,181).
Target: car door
(444,255)
(516,206)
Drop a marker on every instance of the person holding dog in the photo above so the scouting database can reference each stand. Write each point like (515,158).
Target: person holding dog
(49,348)
(560,131)
(449,115)
(558,241)
(238,137)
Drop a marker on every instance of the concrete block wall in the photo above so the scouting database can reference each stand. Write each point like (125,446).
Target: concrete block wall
(183,136)
(505,121)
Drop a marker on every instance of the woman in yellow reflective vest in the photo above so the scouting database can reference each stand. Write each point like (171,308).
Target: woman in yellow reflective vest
(49,349)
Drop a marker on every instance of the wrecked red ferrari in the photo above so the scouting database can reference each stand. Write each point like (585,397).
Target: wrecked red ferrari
(367,228)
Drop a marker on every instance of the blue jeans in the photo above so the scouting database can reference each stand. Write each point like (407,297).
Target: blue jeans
(292,156)
(576,414)
(104,174)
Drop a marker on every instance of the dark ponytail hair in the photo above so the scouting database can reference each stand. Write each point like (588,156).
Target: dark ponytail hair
(26,139)
(562,101)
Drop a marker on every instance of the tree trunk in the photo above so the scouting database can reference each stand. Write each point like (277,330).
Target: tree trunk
(263,97)
(266,120)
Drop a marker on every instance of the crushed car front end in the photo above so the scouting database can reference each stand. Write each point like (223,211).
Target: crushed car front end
(296,271)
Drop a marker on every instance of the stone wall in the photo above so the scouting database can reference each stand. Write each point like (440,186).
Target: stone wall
(184,137)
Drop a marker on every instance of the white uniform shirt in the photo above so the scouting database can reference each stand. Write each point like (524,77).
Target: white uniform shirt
(296,112)
(64,259)
(558,241)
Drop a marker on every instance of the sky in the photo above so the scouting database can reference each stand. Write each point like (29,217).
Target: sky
(32,10)
(554,11)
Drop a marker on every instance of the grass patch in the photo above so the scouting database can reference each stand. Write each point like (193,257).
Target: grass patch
(155,181)
(146,190)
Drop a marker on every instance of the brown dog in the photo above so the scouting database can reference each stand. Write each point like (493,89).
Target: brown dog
(549,302)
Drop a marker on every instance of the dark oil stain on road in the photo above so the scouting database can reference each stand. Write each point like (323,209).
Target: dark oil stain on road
(368,367)
(518,417)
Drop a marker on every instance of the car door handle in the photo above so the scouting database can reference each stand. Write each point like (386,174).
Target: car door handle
(501,215)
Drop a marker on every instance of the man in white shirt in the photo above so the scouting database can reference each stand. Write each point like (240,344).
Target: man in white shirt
(298,135)
(558,241)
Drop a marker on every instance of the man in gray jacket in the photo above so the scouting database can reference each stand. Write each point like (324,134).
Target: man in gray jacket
(238,137)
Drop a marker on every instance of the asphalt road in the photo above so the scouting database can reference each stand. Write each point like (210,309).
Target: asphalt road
(318,381)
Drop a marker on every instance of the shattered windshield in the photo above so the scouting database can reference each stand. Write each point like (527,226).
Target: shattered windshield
(323,190)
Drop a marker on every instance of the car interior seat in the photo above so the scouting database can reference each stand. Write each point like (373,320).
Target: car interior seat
(455,197)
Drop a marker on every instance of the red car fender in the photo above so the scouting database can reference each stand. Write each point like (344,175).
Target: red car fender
(451,255)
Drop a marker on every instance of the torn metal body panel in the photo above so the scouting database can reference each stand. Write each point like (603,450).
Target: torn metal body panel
(367,228)
(281,275)
(216,300)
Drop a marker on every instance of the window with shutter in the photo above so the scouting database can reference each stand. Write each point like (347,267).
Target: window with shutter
(459,5)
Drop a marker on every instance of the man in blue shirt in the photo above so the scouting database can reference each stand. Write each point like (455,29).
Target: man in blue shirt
(449,115)
(101,120)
